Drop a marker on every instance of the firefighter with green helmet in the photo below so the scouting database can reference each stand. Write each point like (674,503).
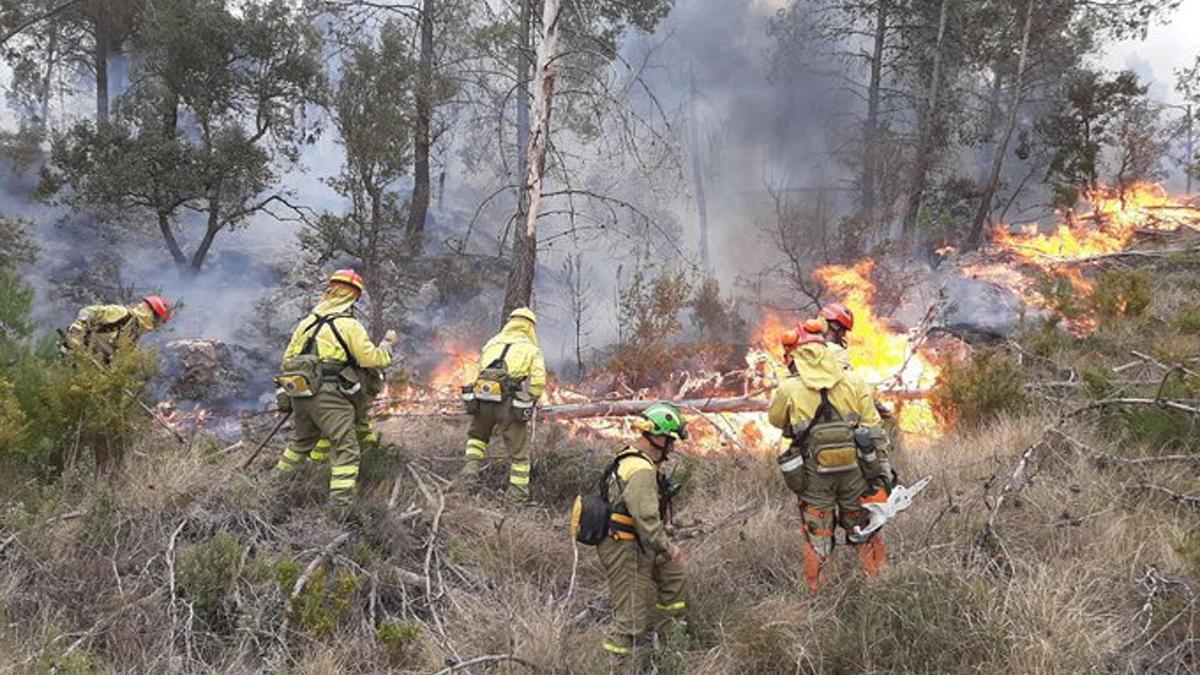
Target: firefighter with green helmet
(321,374)
(646,579)
(502,398)
(838,461)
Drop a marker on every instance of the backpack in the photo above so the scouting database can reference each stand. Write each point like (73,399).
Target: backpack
(591,515)
(493,381)
(301,375)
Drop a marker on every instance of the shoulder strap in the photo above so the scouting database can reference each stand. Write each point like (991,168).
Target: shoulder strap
(822,410)
(612,469)
(499,361)
(318,321)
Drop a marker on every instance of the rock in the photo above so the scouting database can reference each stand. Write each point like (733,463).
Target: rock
(207,371)
(982,310)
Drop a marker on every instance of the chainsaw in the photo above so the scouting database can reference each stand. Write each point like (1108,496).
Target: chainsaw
(900,499)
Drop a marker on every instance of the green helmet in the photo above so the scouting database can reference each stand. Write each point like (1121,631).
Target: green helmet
(665,420)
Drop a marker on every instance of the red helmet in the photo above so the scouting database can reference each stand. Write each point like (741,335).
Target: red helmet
(839,314)
(160,306)
(349,277)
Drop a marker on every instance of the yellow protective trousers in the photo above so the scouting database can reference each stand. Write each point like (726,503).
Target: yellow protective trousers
(642,587)
(494,417)
(328,414)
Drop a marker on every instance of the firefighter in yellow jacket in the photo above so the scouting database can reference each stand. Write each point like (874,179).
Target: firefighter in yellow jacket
(644,568)
(838,460)
(502,399)
(326,351)
(101,329)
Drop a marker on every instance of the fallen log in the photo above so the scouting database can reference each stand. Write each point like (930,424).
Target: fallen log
(629,407)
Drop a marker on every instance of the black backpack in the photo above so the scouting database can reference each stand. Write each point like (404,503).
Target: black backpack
(591,515)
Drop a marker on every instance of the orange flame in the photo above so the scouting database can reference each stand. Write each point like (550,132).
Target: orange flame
(879,352)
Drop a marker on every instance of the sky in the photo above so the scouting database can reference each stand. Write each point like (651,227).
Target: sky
(1165,48)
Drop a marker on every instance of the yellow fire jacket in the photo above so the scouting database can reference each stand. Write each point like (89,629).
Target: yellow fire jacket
(107,323)
(798,397)
(338,303)
(636,483)
(524,358)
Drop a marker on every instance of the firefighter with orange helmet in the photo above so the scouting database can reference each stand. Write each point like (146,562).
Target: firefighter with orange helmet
(321,375)
(838,458)
(101,329)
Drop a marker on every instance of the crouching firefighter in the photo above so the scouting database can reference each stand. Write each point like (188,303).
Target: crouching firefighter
(321,377)
(838,456)
(626,521)
(502,399)
(99,330)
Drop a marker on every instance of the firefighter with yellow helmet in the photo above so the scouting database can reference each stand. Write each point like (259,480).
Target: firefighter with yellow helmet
(101,329)
(502,399)
(838,459)
(321,376)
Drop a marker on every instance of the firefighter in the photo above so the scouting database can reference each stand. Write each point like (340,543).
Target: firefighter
(841,454)
(502,399)
(101,329)
(644,568)
(791,339)
(322,372)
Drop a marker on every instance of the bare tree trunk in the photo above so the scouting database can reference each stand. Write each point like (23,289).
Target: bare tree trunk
(210,231)
(989,189)
(418,206)
(924,156)
(164,225)
(48,76)
(870,139)
(698,172)
(520,278)
(524,74)
(100,63)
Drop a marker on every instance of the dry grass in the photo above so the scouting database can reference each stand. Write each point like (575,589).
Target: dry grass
(1082,569)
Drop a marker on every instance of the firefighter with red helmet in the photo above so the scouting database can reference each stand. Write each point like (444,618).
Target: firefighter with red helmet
(102,329)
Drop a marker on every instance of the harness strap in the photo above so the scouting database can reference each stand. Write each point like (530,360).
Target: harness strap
(112,326)
(331,321)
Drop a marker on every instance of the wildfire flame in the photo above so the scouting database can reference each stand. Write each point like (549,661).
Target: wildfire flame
(1107,225)
(883,355)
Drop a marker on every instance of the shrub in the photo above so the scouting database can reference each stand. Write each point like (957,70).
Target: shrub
(12,419)
(918,620)
(1188,320)
(401,643)
(322,602)
(977,390)
(1121,294)
(207,574)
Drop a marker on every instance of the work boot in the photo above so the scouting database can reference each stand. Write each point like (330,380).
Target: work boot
(469,471)
(518,495)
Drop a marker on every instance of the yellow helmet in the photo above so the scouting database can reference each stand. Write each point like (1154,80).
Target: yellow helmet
(524,313)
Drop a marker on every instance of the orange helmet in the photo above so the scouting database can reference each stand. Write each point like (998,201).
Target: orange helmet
(160,306)
(349,277)
(800,335)
(839,314)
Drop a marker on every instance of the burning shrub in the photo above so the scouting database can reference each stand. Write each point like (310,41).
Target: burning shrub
(979,389)
(1121,294)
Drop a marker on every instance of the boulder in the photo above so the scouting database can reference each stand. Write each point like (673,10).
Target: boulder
(209,372)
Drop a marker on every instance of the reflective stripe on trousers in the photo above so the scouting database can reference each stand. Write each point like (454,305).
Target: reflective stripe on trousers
(476,449)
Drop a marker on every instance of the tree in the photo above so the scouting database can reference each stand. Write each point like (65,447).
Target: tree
(1089,122)
(239,83)
(576,281)
(373,113)
(519,291)
(1187,83)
